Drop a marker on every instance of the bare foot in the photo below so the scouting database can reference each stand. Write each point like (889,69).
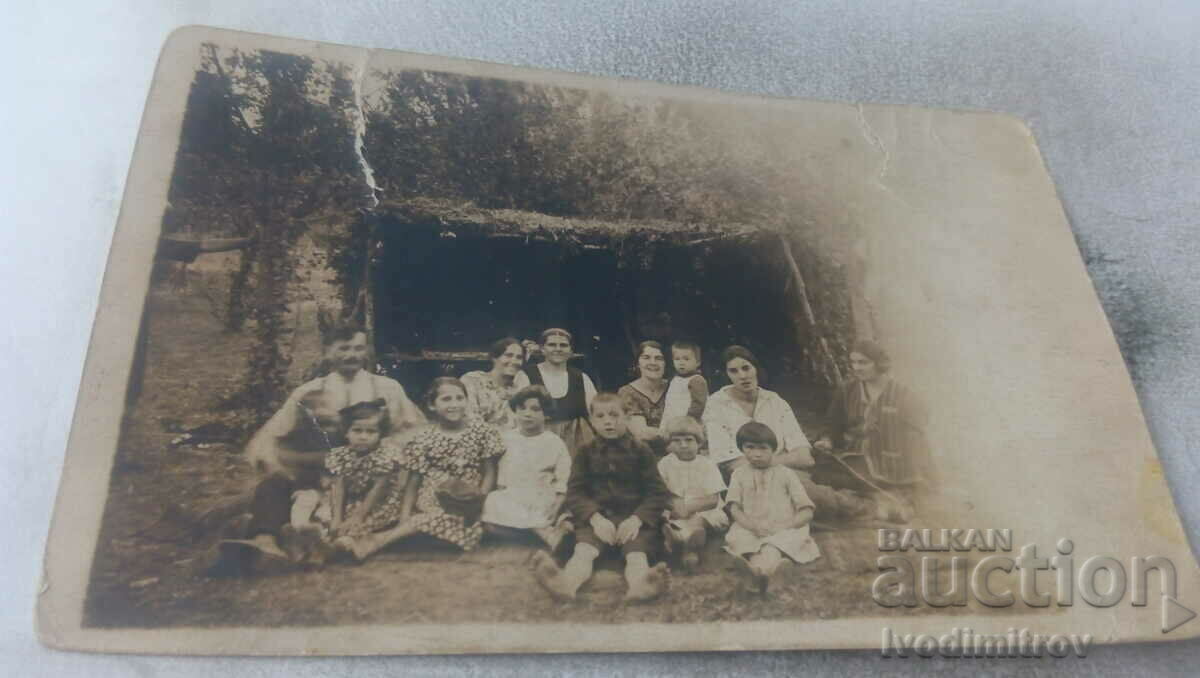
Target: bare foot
(292,543)
(551,577)
(758,580)
(654,584)
(552,536)
(268,546)
(360,548)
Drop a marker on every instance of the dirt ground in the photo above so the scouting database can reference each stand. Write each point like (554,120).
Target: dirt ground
(149,559)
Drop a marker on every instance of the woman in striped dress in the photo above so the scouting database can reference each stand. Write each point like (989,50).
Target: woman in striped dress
(877,425)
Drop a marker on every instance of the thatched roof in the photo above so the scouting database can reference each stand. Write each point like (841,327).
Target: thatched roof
(468,219)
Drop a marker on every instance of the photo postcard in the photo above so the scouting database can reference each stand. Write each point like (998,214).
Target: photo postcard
(404,354)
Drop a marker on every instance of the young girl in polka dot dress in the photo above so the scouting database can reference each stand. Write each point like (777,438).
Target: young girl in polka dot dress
(367,493)
(453,447)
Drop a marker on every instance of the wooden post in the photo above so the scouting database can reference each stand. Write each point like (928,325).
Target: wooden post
(860,306)
(806,308)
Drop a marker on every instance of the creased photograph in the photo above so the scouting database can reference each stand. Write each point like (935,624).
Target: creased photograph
(402,354)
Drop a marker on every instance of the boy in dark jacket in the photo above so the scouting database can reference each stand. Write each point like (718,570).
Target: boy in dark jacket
(617,499)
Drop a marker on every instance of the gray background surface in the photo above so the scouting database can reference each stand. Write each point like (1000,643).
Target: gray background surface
(1111,89)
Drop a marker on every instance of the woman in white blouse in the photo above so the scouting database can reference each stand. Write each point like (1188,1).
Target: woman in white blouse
(742,401)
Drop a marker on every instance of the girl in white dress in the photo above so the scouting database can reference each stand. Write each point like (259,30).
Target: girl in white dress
(696,486)
(532,478)
(770,508)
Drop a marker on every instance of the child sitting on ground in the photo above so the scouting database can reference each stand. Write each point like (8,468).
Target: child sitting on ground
(688,392)
(617,499)
(695,484)
(367,488)
(770,509)
(531,481)
(363,488)
(452,453)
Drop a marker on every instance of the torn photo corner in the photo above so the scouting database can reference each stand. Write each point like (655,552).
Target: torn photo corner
(404,354)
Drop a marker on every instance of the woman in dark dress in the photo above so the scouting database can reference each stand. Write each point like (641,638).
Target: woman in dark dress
(571,389)
(645,397)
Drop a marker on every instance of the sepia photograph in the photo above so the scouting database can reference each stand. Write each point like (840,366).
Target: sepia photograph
(429,344)
(480,347)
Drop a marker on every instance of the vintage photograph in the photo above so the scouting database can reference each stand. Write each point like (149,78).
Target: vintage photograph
(406,354)
(444,348)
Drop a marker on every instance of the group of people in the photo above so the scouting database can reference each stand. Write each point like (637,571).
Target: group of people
(350,464)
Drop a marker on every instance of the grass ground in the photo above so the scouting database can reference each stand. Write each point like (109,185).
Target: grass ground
(149,559)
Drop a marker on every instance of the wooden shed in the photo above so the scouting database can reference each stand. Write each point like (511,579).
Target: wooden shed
(444,279)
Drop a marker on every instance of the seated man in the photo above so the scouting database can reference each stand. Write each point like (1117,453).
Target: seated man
(289,450)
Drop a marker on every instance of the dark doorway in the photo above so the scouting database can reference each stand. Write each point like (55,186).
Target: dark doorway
(455,292)
(460,293)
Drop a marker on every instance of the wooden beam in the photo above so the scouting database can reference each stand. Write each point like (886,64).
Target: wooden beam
(427,355)
(806,308)
(179,249)
(723,237)
(801,288)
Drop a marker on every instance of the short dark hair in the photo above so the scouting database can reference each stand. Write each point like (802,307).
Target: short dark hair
(641,348)
(499,346)
(756,432)
(538,391)
(746,354)
(364,410)
(688,345)
(343,331)
(876,353)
